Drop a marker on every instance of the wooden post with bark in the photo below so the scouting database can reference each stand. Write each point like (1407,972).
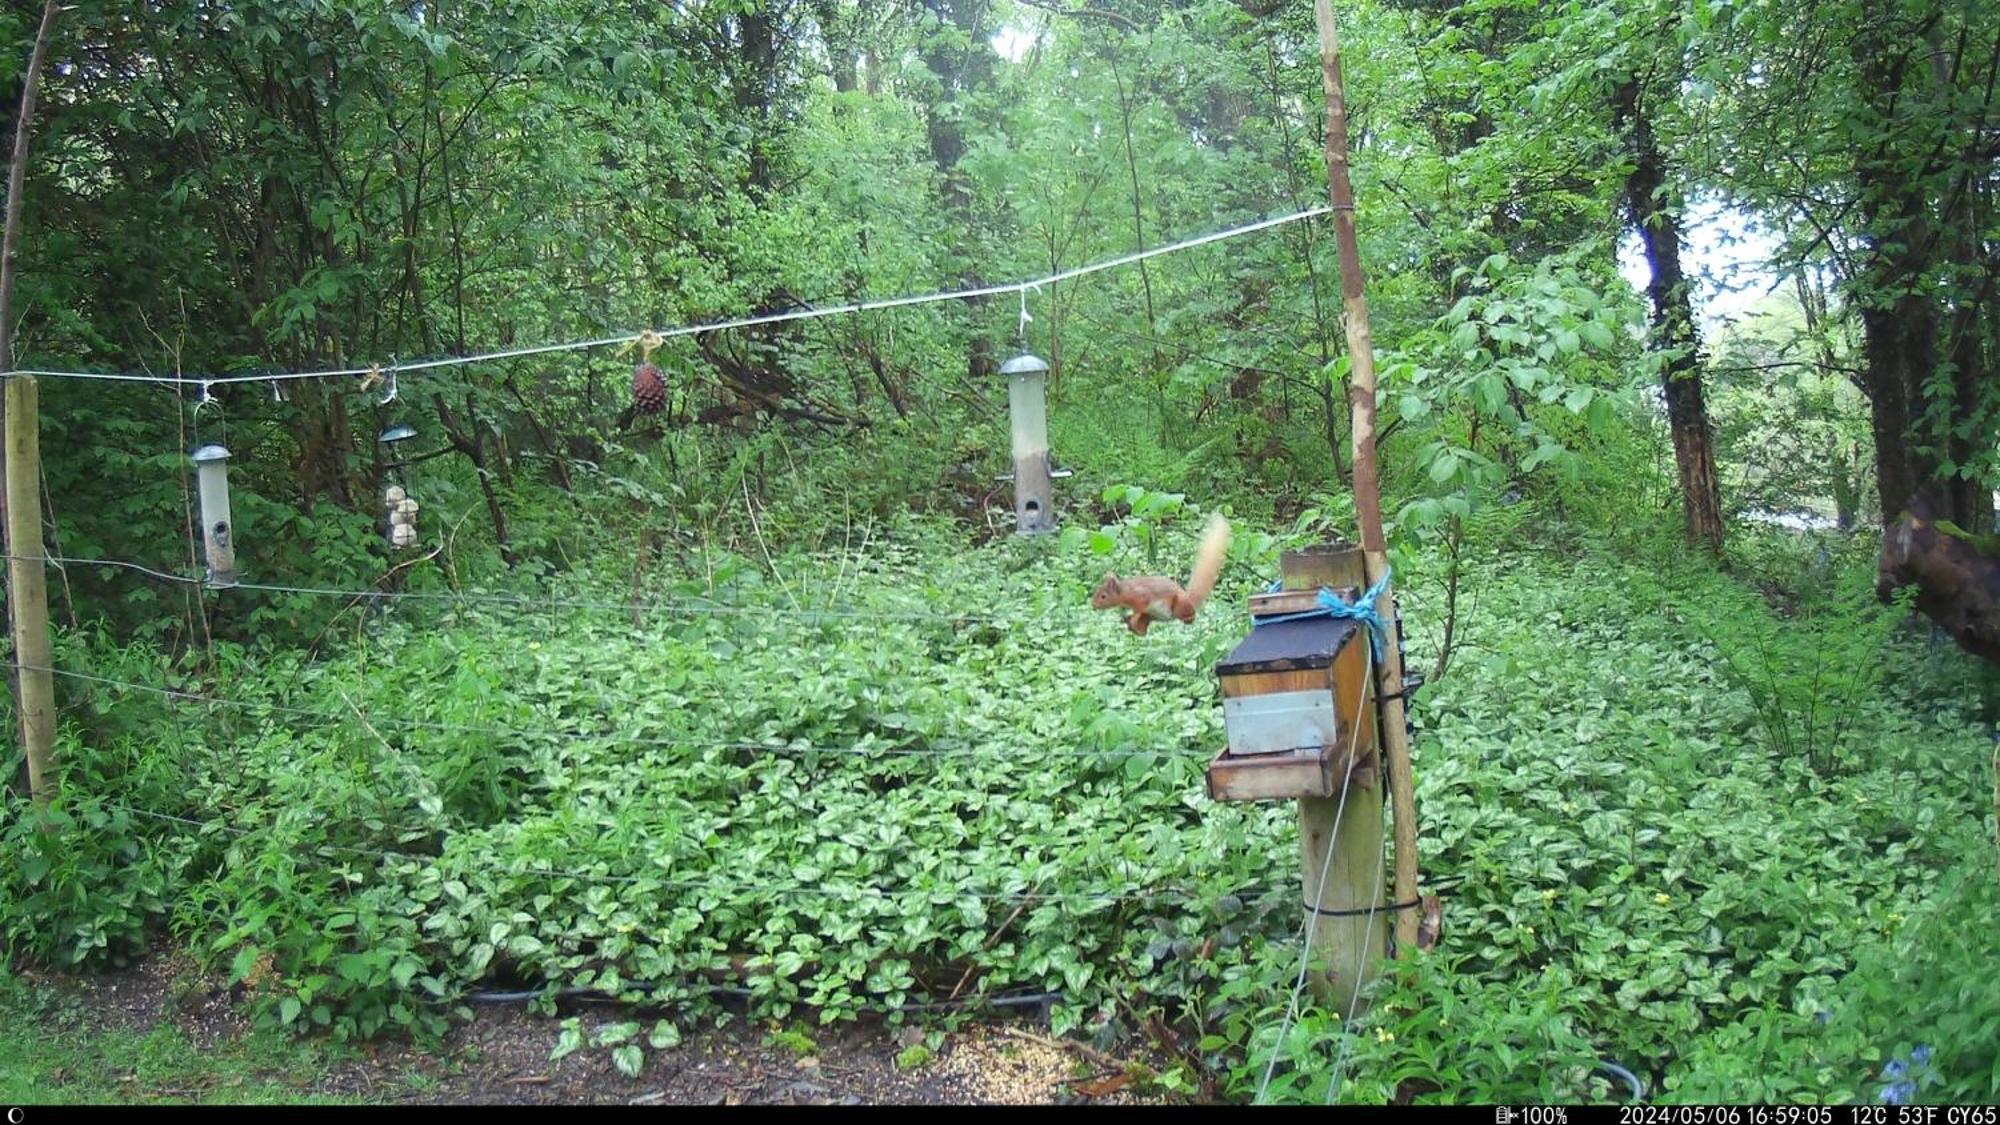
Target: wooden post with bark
(27,579)
(1367,484)
(27,587)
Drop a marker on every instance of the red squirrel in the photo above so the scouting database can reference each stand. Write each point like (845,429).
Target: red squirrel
(1163,599)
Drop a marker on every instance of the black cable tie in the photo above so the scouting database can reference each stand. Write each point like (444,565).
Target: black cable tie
(1355,913)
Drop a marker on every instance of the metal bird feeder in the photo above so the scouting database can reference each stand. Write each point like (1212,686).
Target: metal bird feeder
(398,505)
(1027,407)
(211,463)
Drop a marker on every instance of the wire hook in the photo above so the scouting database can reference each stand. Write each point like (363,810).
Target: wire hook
(207,397)
(1025,318)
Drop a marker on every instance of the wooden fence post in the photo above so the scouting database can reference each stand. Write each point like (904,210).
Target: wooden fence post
(1340,849)
(27,586)
(27,581)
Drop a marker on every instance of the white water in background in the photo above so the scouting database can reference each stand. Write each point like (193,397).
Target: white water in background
(1793,521)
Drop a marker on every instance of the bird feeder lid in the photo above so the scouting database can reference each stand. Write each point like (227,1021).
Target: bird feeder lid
(397,433)
(210,453)
(1288,646)
(1027,363)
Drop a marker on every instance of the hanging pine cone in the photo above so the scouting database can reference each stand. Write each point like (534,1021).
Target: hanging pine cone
(649,391)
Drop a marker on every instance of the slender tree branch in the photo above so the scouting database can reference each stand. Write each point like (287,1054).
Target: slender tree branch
(1091,13)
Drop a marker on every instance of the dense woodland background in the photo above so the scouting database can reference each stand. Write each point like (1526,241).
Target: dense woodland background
(1707,797)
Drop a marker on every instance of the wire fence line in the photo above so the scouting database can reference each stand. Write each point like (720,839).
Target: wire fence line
(395,368)
(660,741)
(522,601)
(1130,894)
(1361,965)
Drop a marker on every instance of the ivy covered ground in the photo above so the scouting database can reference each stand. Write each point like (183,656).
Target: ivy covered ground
(1750,876)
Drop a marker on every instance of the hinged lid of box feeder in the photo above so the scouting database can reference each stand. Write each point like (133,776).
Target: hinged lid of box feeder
(1289,646)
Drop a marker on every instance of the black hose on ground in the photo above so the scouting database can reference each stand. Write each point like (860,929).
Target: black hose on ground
(1630,1079)
(1017,1000)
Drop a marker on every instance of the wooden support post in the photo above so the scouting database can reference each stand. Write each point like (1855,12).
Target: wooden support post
(1367,484)
(27,586)
(27,581)
(1348,945)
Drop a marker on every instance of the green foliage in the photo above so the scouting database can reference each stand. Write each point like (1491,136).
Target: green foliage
(1792,433)
(1629,877)
(1809,682)
(793,1040)
(1906,993)
(1682,811)
(1515,376)
(84,882)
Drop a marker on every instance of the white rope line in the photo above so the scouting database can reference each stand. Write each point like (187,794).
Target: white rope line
(688,329)
(661,741)
(1318,900)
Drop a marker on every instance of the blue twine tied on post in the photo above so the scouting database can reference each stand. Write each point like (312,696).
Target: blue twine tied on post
(1363,610)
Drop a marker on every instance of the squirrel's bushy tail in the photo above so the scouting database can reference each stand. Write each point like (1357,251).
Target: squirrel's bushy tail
(1208,561)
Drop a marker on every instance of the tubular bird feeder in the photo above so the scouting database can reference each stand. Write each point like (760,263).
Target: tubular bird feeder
(211,463)
(1027,409)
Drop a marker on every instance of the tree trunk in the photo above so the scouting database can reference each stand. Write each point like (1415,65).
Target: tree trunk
(33,695)
(755,85)
(1658,223)
(1924,368)
(470,441)
(1957,579)
(959,70)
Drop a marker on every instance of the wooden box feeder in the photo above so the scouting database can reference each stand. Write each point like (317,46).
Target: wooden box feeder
(1297,705)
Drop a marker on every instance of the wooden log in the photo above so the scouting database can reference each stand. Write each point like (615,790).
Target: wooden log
(1957,576)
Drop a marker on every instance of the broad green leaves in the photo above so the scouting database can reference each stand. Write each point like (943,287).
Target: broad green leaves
(1518,370)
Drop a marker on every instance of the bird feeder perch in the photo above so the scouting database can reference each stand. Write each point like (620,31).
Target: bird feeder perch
(398,506)
(1027,408)
(211,463)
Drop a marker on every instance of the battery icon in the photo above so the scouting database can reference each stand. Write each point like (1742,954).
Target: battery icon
(1503,1115)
